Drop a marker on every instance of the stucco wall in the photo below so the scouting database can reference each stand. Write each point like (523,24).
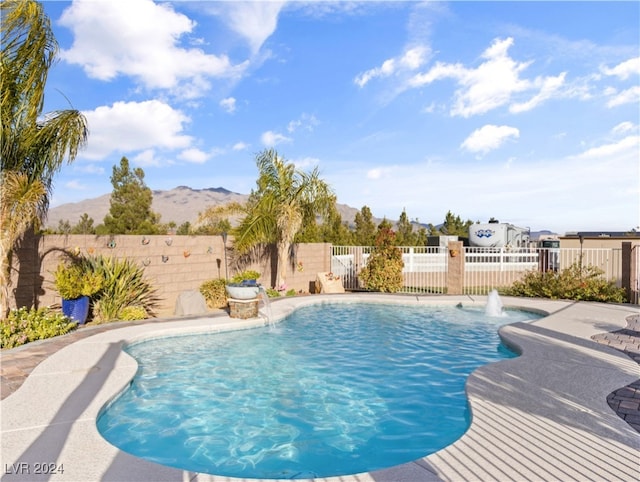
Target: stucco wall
(172,264)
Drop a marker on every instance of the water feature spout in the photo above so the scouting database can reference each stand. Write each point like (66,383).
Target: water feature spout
(264,297)
(494,304)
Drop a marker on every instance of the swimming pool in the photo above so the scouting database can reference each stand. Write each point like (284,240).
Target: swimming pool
(334,389)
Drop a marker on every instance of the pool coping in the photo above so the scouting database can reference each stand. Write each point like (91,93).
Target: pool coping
(541,416)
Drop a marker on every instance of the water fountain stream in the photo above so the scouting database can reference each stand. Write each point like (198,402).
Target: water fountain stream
(494,304)
(264,297)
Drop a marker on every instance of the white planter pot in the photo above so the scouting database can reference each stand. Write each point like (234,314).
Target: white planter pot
(242,292)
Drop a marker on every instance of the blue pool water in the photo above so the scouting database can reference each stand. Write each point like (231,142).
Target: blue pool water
(334,389)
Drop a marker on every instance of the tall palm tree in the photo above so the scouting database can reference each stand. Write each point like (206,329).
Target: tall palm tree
(19,200)
(34,145)
(276,208)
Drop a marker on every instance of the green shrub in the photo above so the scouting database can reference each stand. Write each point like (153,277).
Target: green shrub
(76,279)
(291,292)
(24,325)
(214,293)
(273,293)
(583,283)
(245,275)
(124,286)
(383,271)
(130,313)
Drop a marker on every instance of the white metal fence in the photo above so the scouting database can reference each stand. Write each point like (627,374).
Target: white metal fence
(425,268)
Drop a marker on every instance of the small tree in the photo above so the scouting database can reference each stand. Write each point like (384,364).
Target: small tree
(405,236)
(365,228)
(130,211)
(383,271)
(454,226)
(84,226)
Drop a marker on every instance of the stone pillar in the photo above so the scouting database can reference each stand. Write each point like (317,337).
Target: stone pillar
(243,309)
(455,274)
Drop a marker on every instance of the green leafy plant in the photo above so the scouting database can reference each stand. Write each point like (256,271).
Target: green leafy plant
(130,313)
(383,271)
(583,283)
(124,286)
(214,293)
(273,293)
(25,325)
(291,292)
(245,275)
(76,279)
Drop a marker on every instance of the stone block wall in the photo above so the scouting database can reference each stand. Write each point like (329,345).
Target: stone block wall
(172,264)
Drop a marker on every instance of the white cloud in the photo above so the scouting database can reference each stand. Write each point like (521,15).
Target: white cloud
(126,127)
(627,147)
(254,21)
(627,96)
(193,155)
(240,146)
(146,158)
(548,86)
(489,137)
(624,127)
(624,69)
(493,83)
(306,163)
(228,104)
(271,138)
(75,185)
(410,60)
(111,40)
(378,172)
(306,121)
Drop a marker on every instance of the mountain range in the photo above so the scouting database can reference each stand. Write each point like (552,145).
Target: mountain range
(179,205)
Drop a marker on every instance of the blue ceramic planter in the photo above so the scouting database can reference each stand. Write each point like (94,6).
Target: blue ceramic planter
(77,309)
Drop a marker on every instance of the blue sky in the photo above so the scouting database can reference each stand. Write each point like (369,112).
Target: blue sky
(527,112)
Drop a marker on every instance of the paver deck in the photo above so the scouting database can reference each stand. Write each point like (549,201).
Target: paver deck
(567,409)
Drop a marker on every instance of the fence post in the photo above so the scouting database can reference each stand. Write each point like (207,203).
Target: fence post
(626,269)
(455,274)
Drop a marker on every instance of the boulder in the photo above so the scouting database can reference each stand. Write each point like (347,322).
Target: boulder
(190,303)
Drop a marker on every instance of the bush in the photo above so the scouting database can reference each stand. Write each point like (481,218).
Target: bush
(125,288)
(77,279)
(245,275)
(383,271)
(130,313)
(273,293)
(583,283)
(24,325)
(214,293)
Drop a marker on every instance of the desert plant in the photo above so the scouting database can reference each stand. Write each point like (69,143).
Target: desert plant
(577,282)
(130,313)
(124,286)
(273,293)
(214,293)
(383,271)
(24,325)
(246,275)
(76,279)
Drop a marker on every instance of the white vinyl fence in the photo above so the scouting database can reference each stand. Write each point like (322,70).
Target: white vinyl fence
(425,268)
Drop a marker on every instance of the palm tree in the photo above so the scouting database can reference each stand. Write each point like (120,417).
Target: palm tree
(34,145)
(276,209)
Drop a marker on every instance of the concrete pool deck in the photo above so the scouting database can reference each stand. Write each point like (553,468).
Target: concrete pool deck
(541,416)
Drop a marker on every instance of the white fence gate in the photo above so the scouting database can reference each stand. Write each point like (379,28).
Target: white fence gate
(425,268)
